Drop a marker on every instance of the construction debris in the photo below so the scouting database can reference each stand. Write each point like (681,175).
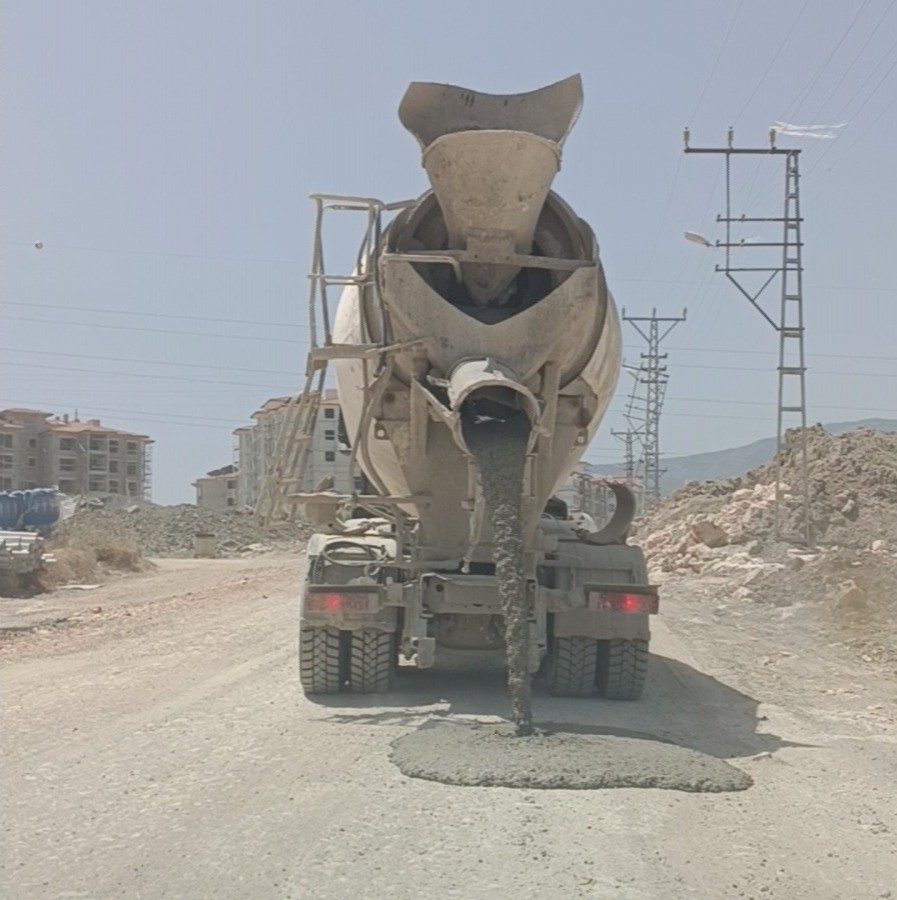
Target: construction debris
(170,530)
(847,580)
(22,556)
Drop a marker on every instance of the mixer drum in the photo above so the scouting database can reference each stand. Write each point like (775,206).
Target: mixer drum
(498,283)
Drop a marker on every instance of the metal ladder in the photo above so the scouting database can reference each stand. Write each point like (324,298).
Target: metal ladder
(285,473)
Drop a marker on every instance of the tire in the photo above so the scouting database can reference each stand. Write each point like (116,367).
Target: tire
(622,668)
(320,661)
(371,661)
(571,672)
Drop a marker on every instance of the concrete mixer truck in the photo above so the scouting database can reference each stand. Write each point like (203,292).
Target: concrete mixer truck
(475,348)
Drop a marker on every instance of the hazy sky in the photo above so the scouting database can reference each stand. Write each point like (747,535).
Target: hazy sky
(163,152)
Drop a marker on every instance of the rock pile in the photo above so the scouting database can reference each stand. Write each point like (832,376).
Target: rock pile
(170,530)
(852,501)
(725,529)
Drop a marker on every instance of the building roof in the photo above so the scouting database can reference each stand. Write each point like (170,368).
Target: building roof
(57,424)
(223,471)
(271,405)
(87,428)
(28,413)
(330,396)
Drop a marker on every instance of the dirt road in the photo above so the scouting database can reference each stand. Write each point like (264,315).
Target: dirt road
(159,746)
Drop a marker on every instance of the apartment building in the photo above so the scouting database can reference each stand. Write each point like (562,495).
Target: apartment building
(217,489)
(38,449)
(255,446)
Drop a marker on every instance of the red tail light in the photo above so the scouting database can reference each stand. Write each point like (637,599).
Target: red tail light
(341,602)
(624,601)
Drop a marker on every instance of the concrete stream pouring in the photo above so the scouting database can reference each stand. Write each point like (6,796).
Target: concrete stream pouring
(499,448)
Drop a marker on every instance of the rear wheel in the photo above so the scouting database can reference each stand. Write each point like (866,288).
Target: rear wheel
(571,672)
(622,668)
(372,660)
(319,660)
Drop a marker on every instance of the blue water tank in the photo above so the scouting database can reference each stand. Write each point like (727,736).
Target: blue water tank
(12,506)
(41,510)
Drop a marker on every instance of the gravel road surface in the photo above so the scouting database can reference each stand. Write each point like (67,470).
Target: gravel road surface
(158,745)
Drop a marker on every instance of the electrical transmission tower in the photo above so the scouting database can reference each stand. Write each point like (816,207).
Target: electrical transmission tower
(653,376)
(628,439)
(789,323)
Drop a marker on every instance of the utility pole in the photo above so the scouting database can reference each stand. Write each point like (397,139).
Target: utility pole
(653,375)
(628,439)
(789,323)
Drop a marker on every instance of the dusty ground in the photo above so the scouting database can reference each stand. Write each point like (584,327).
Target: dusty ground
(157,745)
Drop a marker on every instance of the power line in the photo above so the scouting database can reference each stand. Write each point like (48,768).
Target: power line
(719,56)
(202,334)
(854,142)
(129,252)
(805,93)
(728,350)
(853,62)
(669,203)
(151,315)
(148,362)
(142,375)
(759,403)
(865,81)
(763,77)
(288,374)
(225,426)
(862,107)
(839,114)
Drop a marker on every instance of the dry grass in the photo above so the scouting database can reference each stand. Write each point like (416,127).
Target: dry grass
(89,553)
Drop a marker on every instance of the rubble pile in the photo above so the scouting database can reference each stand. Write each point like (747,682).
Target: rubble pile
(22,557)
(170,530)
(725,529)
(853,503)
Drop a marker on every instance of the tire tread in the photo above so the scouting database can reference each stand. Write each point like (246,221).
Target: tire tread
(622,668)
(573,667)
(371,661)
(319,661)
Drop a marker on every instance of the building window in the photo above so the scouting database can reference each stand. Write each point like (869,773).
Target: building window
(132,488)
(32,442)
(329,435)
(5,462)
(231,484)
(329,456)
(97,463)
(67,487)
(329,412)
(113,445)
(97,443)
(6,440)
(95,484)
(32,462)
(66,465)
(6,484)
(231,501)
(131,446)
(66,443)
(113,465)
(113,486)
(132,468)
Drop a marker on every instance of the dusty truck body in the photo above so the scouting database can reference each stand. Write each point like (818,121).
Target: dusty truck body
(485,294)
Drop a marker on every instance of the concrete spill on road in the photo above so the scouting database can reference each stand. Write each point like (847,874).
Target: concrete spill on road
(491,756)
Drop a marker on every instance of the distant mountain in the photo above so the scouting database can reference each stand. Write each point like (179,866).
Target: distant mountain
(734,462)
